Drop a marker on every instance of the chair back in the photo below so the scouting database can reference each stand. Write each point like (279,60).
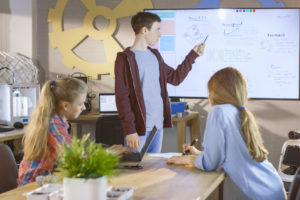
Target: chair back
(289,160)
(109,130)
(294,192)
(8,169)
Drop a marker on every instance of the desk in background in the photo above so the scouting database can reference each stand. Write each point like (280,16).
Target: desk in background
(15,141)
(11,135)
(191,119)
(156,180)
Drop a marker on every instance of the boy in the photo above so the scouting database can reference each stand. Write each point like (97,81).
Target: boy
(141,78)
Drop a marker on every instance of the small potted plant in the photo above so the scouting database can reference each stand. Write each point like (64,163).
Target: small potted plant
(85,166)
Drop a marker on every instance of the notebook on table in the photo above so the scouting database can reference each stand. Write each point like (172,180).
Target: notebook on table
(133,160)
(107,104)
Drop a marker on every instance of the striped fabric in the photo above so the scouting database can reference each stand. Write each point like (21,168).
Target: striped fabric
(58,134)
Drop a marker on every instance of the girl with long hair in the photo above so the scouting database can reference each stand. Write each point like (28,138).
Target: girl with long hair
(60,100)
(232,142)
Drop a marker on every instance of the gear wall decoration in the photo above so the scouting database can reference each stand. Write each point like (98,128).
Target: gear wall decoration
(66,41)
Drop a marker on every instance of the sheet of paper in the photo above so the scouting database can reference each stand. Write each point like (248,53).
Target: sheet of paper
(165,155)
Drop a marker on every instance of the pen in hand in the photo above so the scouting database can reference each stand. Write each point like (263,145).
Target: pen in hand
(193,142)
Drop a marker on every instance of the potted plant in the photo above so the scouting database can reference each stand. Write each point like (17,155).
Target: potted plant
(85,166)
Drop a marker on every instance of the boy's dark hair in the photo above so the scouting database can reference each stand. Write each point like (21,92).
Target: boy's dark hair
(143,19)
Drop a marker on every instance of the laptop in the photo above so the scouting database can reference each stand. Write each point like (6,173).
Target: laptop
(133,160)
(107,104)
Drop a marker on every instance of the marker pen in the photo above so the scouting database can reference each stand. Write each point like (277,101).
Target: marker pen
(205,39)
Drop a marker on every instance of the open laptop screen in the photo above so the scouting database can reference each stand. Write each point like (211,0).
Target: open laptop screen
(148,141)
(138,156)
(107,103)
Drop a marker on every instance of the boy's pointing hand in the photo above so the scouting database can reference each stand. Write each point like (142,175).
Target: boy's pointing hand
(199,49)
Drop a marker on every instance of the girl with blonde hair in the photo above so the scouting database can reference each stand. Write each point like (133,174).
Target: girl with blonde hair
(60,100)
(232,142)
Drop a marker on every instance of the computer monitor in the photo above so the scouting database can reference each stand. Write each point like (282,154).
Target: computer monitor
(107,103)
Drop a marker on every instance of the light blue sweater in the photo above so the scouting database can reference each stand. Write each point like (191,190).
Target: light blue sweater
(149,77)
(225,148)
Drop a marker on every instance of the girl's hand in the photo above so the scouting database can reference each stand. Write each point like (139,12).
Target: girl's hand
(190,150)
(182,160)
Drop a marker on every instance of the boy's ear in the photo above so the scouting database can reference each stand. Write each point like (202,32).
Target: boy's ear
(143,30)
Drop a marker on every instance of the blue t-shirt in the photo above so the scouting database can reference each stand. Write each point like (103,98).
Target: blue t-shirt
(149,77)
(224,147)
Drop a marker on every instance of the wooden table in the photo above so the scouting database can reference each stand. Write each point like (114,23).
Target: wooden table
(12,135)
(156,180)
(191,119)
(160,181)
(17,194)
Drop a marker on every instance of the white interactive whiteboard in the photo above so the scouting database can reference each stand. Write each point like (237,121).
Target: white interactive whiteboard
(263,44)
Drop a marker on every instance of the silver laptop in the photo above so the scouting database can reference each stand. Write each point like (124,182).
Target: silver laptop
(107,104)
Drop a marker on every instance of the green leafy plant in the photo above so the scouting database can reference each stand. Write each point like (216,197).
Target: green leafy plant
(86,159)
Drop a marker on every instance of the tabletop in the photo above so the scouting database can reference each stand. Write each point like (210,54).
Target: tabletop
(156,180)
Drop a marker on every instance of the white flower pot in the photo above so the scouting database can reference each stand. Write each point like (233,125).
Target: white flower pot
(81,188)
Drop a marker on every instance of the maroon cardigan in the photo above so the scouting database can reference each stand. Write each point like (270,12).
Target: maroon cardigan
(129,95)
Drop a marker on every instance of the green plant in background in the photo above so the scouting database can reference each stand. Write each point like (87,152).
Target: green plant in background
(86,159)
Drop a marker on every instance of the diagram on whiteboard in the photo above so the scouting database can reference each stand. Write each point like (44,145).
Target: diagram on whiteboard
(231,30)
(261,43)
(193,34)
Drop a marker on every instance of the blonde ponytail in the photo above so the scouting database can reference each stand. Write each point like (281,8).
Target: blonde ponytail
(253,137)
(35,140)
